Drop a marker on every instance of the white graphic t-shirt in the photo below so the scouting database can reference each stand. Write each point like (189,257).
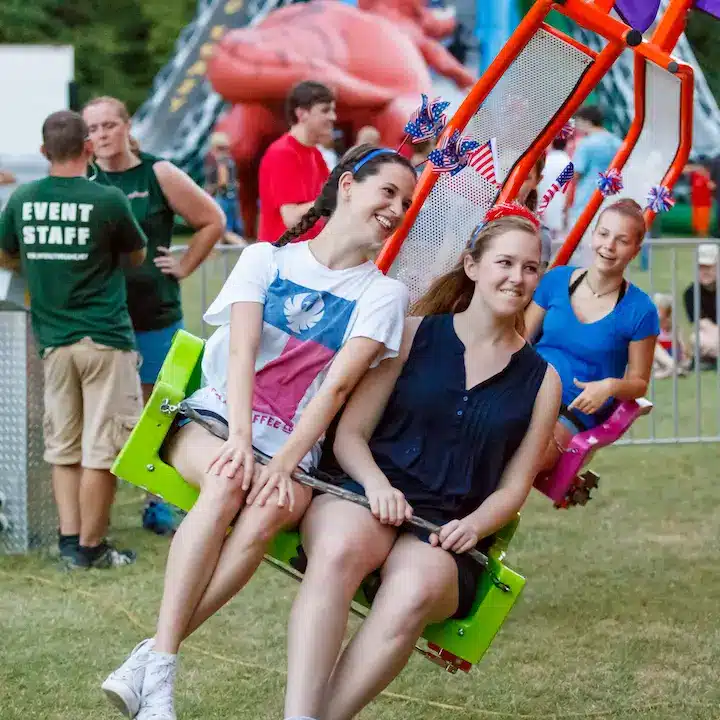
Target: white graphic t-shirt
(309,313)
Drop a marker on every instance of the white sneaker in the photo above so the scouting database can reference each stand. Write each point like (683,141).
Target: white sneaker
(123,687)
(158,689)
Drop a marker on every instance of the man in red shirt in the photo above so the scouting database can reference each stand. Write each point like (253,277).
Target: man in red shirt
(701,197)
(292,170)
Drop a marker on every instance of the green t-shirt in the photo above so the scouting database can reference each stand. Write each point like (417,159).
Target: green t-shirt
(153,297)
(70,234)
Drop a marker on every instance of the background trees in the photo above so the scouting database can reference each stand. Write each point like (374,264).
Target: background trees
(121,44)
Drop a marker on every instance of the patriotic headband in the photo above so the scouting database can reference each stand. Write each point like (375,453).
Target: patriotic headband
(512,209)
(371,155)
(503,210)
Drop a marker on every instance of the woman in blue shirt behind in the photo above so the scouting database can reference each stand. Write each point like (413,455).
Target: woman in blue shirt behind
(598,330)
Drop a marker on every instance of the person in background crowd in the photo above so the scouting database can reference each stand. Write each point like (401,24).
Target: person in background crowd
(555,218)
(157,191)
(293,170)
(6,177)
(707,338)
(460,44)
(715,177)
(701,198)
(328,149)
(668,359)
(221,184)
(594,152)
(528,195)
(368,134)
(70,236)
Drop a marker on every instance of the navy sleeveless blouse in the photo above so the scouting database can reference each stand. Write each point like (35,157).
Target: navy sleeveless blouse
(444,447)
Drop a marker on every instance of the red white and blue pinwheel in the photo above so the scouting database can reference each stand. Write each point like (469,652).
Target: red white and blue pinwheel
(610,183)
(660,199)
(453,154)
(428,121)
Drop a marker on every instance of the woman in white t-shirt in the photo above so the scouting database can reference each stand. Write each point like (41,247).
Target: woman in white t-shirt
(555,215)
(299,325)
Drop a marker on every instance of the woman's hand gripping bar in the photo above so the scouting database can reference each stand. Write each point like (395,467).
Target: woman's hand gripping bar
(220,431)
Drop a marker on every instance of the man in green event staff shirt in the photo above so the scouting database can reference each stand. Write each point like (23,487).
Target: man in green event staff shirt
(70,236)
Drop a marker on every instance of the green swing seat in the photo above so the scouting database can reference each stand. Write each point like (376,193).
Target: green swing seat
(453,644)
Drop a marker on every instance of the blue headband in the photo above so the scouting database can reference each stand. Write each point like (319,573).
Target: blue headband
(370,156)
(475,234)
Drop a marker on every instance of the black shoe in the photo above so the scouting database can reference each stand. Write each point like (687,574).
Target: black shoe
(71,558)
(106,556)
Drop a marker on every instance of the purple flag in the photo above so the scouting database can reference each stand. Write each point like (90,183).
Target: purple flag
(639,14)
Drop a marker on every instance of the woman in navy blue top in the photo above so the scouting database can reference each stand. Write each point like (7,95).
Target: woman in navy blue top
(452,430)
(598,330)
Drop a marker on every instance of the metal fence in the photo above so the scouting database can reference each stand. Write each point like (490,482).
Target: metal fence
(686,403)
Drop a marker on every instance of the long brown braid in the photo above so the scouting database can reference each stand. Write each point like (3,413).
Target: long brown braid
(326,202)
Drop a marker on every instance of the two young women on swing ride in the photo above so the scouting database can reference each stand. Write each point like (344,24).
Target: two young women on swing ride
(451,419)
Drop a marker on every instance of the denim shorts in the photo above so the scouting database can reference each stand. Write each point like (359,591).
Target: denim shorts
(230,208)
(153,346)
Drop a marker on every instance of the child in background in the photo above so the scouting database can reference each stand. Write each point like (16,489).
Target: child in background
(667,359)
(221,183)
(530,198)
(701,198)
(555,217)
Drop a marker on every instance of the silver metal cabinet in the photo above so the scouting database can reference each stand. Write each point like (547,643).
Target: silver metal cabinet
(28,519)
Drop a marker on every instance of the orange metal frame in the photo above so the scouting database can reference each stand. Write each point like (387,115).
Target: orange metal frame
(594,17)
(515,45)
(662,42)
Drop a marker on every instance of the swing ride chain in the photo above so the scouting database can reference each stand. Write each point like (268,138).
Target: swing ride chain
(220,431)
(167,408)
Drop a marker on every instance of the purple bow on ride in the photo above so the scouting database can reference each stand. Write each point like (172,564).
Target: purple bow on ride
(659,199)
(453,154)
(610,183)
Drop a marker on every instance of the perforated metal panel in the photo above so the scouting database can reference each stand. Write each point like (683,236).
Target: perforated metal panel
(28,512)
(655,149)
(516,111)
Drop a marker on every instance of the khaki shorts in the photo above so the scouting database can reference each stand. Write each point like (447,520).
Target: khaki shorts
(92,402)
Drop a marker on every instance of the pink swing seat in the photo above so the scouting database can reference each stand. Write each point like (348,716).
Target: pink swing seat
(565,485)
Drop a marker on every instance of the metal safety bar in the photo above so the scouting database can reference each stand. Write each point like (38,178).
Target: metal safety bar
(219,430)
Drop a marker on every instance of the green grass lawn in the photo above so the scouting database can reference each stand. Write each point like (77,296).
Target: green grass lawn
(619,618)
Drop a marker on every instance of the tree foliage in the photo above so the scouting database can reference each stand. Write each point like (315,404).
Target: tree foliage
(119,44)
(703,33)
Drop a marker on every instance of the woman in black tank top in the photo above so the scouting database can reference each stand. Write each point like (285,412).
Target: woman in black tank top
(452,430)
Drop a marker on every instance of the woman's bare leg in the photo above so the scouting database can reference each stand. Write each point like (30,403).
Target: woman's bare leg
(562,435)
(144,683)
(243,551)
(196,546)
(419,586)
(344,544)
